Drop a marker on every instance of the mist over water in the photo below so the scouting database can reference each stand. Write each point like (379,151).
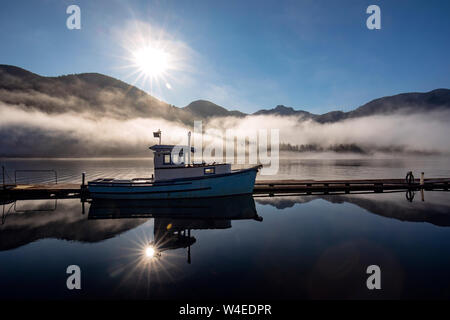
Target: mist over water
(69,170)
(73,134)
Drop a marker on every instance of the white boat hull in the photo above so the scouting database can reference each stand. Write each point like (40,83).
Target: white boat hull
(234,183)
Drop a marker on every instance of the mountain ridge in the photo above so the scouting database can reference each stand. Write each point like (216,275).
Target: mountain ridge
(91,114)
(100,94)
(205,108)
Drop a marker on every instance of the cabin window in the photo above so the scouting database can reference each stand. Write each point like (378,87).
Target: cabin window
(167,159)
(210,170)
(178,158)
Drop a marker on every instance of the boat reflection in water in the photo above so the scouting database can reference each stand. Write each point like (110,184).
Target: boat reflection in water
(174,219)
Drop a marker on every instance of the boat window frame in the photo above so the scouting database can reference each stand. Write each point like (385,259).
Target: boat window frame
(209,168)
(178,159)
(164,158)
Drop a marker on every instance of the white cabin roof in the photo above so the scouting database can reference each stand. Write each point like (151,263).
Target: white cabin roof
(168,147)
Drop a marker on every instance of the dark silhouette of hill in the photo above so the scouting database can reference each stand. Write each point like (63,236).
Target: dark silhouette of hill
(91,93)
(414,102)
(207,109)
(281,110)
(101,95)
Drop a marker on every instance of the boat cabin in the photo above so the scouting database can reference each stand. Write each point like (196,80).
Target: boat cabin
(174,162)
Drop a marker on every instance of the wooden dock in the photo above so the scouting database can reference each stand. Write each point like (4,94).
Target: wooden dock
(270,187)
(43,191)
(346,186)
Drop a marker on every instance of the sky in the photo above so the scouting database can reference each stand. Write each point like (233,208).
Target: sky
(248,55)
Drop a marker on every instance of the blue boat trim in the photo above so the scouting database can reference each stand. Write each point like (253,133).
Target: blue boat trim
(196,166)
(150,192)
(185,198)
(134,184)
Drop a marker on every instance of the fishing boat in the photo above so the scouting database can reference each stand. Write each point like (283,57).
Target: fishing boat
(176,177)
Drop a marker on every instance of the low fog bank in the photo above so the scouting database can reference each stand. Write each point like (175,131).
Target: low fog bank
(34,133)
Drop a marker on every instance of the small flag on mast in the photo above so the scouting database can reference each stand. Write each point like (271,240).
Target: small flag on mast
(157,134)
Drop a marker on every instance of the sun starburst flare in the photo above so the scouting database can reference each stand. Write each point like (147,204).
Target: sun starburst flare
(141,263)
(153,57)
(153,62)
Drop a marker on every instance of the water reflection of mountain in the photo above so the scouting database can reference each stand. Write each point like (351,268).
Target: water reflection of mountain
(32,220)
(435,209)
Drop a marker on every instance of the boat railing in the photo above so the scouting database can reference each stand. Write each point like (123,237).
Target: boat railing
(6,179)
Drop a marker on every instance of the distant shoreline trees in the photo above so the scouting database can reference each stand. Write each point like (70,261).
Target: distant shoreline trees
(352,148)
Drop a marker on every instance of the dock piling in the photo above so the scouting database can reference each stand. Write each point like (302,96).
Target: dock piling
(409,178)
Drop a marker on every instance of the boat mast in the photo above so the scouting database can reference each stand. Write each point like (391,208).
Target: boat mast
(189,148)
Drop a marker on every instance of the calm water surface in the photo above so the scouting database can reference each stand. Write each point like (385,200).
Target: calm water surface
(69,170)
(283,247)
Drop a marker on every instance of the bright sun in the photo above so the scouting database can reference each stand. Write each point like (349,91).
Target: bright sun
(150,252)
(152,62)
(153,57)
